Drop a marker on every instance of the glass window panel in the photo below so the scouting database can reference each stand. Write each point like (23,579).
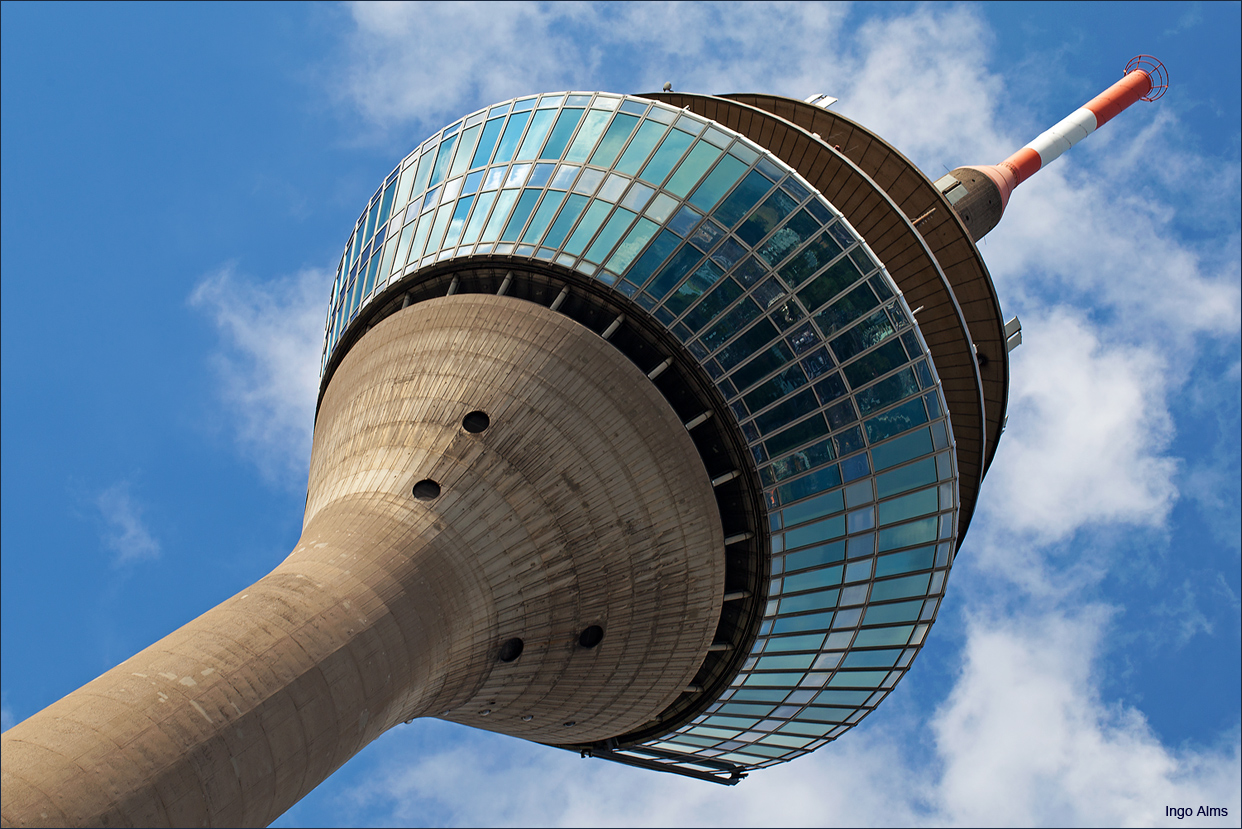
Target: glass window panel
(539,126)
(894,421)
(386,205)
(566,122)
(487,142)
(857,679)
(521,106)
(592,128)
(909,506)
(638,150)
(817,556)
(810,259)
(793,408)
(614,139)
(828,284)
(804,339)
(588,181)
(521,213)
(405,183)
(613,188)
(610,235)
(469,141)
(795,231)
(543,216)
(889,390)
(766,217)
(539,177)
(813,580)
(824,505)
(637,198)
(765,362)
(403,248)
(902,449)
(900,588)
(749,343)
(843,312)
(666,157)
(633,243)
(591,220)
(509,139)
(696,163)
(703,277)
(880,361)
(728,254)
(655,255)
(503,204)
(790,662)
(807,430)
(906,478)
(716,301)
(420,236)
(676,270)
(458,222)
(708,234)
(425,163)
(908,535)
(517,175)
(905,562)
(862,261)
(809,601)
(782,384)
(743,199)
(742,709)
(717,183)
(442,161)
(872,659)
(609,102)
(823,530)
(797,624)
(738,318)
(564,176)
(871,331)
(443,213)
(806,458)
(565,222)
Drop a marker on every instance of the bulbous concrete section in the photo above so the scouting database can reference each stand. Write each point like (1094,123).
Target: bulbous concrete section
(580,502)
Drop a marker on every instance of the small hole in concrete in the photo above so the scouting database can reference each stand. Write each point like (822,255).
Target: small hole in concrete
(426,489)
(569,724)
(528,718)
(591,637)
(511,649)
(476,422)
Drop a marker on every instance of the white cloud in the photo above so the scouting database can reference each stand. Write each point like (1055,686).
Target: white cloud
(7,719)
(1088,433)
(269,362)
(126,534)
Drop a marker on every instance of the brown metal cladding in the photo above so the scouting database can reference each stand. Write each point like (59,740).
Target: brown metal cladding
(584,502)
(882,193)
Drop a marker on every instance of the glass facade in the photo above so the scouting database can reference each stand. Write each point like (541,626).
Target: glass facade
(787,310)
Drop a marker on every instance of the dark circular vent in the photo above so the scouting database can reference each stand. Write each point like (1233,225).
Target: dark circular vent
(511,649)
(426,490)
(590,637)
(476,422)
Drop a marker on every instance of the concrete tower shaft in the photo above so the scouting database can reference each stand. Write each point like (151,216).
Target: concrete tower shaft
(582,502)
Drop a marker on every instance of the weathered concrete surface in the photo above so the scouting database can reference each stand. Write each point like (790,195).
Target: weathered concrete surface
(583,503)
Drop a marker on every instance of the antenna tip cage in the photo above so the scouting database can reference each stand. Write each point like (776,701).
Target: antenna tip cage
(1155,70)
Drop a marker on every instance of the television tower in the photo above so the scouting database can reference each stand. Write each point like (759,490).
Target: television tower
(648,428)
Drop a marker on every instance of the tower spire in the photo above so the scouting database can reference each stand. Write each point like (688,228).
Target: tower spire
(980,194)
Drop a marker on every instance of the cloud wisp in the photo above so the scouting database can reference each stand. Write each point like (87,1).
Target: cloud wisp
(125,534)
(268,362)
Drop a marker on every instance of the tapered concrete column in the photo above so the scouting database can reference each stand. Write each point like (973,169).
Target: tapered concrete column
(578,500)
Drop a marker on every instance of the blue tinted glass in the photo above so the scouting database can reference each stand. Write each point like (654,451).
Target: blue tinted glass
(672,273)
(908,535)
(592,128)
(807,430)
(539,127)
(633,243)
(894,421)
(716,301)
(902,449)
(688,173)
(766,217)
(717,183)
(906,478)
(904,562)
(655,255)
(889,390)
(520,214)
(610,235)
(900,588)
(828,284)
(738,318)
(491,131)
(909,506)
(590,222)
(638,150)
(561,133)
(565,222)
(614,140)
(669,153)
(442,161)
(509,140)
(776,388)
(881,361)
(740,202)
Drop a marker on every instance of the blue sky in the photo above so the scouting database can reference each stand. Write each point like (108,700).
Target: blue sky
(178,180)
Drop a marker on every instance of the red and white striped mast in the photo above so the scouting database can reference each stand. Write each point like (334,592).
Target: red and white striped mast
(980,194)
